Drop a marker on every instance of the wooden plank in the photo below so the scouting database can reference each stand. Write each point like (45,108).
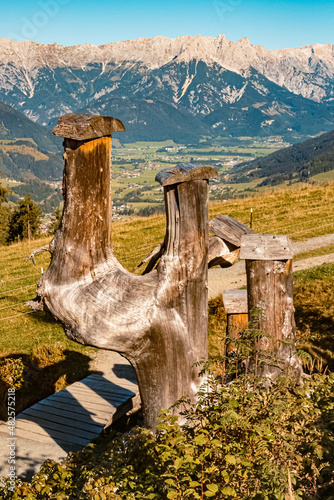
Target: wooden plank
(85,406)
(71,399)
(96,384)
(81,127)
(98,390)
(112,378)
(266,247)
(93,405)
(184,172)
(74,408)
(62,433)
(123,409)
(236,324)
(113,400)
(235,301)
(52,436)
(24,434)
(60,415)
(68,421)
(89,392)
(89,395)
(229,229)
(82,431)
(108,387)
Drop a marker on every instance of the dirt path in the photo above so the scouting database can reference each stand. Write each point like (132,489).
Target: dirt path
(235,277)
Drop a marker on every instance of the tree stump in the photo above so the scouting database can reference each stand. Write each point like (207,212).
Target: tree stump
(269,286)
(157,321)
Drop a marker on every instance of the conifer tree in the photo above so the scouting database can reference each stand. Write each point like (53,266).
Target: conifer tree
(25,220)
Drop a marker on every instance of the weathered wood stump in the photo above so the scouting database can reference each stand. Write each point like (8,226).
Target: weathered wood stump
(236,307)
(157,321)
(269,286)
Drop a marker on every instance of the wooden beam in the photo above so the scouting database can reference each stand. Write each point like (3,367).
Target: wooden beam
(228,229)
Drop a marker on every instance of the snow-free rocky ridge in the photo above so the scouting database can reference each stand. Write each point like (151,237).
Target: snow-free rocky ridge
(192,86)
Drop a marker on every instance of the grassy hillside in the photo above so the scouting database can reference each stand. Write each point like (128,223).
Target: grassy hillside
(26,148)
(304,159)
(301,213)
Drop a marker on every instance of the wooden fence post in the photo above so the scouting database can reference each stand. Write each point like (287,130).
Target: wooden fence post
(236,307)
(269,286)
(157,321)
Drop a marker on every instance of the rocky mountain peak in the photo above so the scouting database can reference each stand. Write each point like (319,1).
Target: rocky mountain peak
(222,82)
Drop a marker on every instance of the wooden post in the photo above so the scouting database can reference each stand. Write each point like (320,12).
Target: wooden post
(157,321)
(236,307)
(269,285)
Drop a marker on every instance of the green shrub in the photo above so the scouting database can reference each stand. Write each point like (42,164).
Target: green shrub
(236,443)
(11,372)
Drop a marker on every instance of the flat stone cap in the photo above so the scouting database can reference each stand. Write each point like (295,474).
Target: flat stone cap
(184,172)
(81,127)
(266,247)
(235,301)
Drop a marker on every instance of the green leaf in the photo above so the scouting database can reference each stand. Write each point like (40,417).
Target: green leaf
(212,487)
(171,482)
(246,463)
(172,494)
(228,490)
(178,462)
(234,403)
(230,459)
(217,443)
(201,440)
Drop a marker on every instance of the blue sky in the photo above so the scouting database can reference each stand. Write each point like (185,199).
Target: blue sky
(271,23)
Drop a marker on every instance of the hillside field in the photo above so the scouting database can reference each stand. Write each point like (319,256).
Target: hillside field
(36,338)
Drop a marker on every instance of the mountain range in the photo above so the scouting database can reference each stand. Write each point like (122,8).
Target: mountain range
(182,89)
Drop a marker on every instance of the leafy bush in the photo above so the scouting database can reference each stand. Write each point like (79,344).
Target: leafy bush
(11,372)
(236,443)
